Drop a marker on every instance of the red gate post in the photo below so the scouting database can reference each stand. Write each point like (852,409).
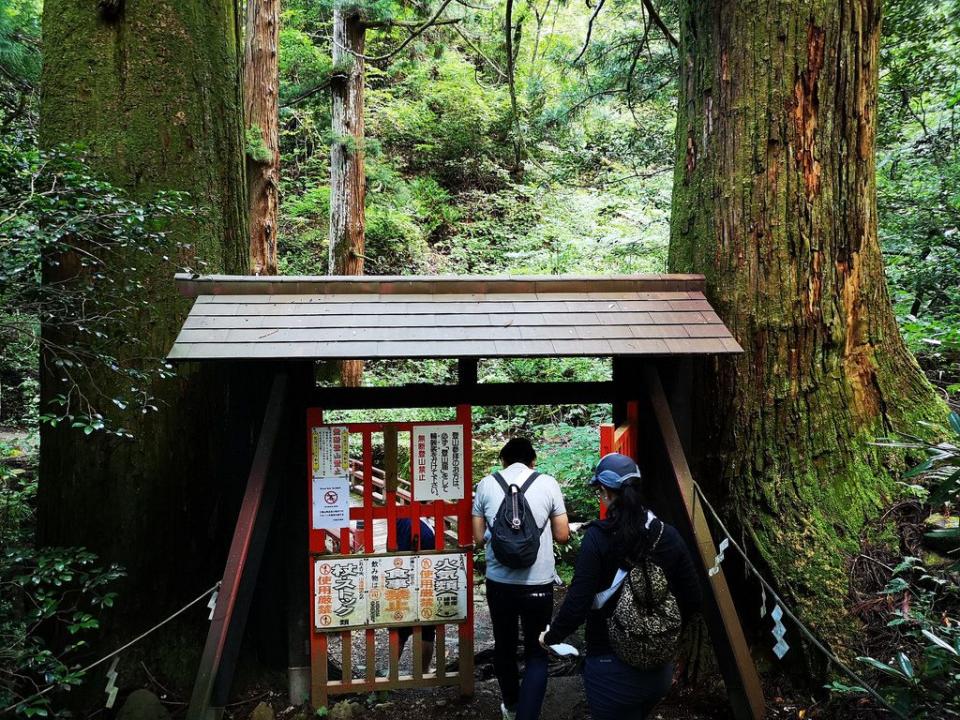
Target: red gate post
(465,538)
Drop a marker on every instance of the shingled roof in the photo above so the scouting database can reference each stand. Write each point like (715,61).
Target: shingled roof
(240,317)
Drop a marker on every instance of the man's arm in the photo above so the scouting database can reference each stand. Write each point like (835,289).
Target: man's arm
(560,527)
(479,530)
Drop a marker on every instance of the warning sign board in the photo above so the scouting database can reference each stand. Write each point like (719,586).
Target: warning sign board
(438,470)
(385,590)
(331,502)
(392,583)
(330,451)
(341,593)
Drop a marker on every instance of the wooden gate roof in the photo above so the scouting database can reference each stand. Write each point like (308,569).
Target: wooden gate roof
(368,317)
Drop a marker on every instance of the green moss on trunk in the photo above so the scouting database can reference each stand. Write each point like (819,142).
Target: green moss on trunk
(154,95)
(774,201)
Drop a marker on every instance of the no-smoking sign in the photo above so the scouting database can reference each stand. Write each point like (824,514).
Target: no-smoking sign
(331,502)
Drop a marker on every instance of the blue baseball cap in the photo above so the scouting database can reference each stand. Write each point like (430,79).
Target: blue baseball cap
(614,470)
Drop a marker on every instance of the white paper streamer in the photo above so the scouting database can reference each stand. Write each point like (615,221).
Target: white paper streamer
(763,601)
(111,688)
(724,544)
(778,632)
(213,603)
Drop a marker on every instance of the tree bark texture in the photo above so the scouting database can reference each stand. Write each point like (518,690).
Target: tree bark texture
(347,181)
(261,78)
(154,95)
(775,202)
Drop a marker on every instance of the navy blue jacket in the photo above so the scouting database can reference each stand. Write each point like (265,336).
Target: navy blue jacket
(597,563)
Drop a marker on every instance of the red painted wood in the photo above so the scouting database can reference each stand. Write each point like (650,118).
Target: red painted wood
(394,507)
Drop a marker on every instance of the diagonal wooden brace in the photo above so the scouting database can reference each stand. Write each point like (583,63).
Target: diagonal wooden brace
(243,563)
(736,664)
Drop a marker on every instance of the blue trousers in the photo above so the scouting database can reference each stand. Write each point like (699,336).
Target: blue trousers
(616,691)
(513,606)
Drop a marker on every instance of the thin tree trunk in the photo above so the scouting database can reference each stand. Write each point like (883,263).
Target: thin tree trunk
(154,95)
(775,201)
(260,88)
(347,183)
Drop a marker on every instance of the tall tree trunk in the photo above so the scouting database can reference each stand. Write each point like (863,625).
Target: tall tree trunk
(153,92)
(347,182)
(774,200)
(261,79)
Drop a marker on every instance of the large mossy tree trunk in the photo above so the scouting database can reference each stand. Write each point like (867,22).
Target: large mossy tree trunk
(261,83)
(347,181)
(774,201)
(152,90)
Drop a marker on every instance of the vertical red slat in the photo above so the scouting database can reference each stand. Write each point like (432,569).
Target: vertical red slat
(368,492)
(606,446)
(371,639)
(465,536)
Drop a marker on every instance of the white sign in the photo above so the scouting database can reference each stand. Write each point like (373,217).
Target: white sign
(442,587)
(393,589)
(331,451)
(340,593)
(385,590)
(438,456)
(331,502)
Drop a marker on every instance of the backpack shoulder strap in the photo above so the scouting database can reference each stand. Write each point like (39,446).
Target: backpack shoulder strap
(502,483)
(529,481)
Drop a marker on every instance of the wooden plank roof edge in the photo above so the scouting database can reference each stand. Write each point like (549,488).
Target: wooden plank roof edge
(196,285)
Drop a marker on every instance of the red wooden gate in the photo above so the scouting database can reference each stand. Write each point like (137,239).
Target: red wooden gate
(621,439)
(382,504)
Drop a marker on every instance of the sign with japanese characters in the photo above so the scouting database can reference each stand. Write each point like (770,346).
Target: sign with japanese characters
(331,502)
(442,587)
(340,592)
(438,459)
(392,582)
(385,590)
(330,450)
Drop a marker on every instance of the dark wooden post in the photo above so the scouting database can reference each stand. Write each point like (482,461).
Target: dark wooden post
(733,654)
(239,578)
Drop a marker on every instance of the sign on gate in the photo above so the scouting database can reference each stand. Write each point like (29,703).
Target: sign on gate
(438,466)
(388,590)
(360,581)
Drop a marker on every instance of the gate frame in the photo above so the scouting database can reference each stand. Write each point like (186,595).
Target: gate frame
(661,389)
(391,510)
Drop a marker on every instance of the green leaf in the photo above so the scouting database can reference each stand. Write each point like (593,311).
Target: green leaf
(883,667)
(905,665)
(955,422)
(940,642)
(943,534)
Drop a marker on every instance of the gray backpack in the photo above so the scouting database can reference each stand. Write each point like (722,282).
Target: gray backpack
(644,628)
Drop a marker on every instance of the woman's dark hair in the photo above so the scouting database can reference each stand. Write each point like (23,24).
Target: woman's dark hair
(628,521)
(518,450)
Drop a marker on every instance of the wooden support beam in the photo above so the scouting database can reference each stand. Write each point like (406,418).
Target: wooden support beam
(736,664)
(246,549)
(467,371)
(409,396)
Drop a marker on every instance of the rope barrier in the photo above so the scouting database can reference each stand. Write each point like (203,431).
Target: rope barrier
(119,650)
(786,611)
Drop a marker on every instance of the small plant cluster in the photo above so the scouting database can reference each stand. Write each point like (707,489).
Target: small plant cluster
(921,678)
(73,254)
(51,600)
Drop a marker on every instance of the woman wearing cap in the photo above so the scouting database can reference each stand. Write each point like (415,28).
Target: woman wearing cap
(629,532)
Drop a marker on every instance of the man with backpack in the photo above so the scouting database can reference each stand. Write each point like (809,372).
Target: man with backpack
(522,513)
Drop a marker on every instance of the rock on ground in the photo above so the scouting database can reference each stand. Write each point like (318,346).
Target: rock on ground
(143,705)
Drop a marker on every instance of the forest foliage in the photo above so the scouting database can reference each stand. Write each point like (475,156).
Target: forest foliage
(593,128)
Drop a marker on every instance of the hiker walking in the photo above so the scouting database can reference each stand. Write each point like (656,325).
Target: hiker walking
(522,513)
(635,586)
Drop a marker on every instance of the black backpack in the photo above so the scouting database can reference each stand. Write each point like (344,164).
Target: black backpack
(515,537)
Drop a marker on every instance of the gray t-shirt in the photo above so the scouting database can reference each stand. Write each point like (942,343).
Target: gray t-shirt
(545,500)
